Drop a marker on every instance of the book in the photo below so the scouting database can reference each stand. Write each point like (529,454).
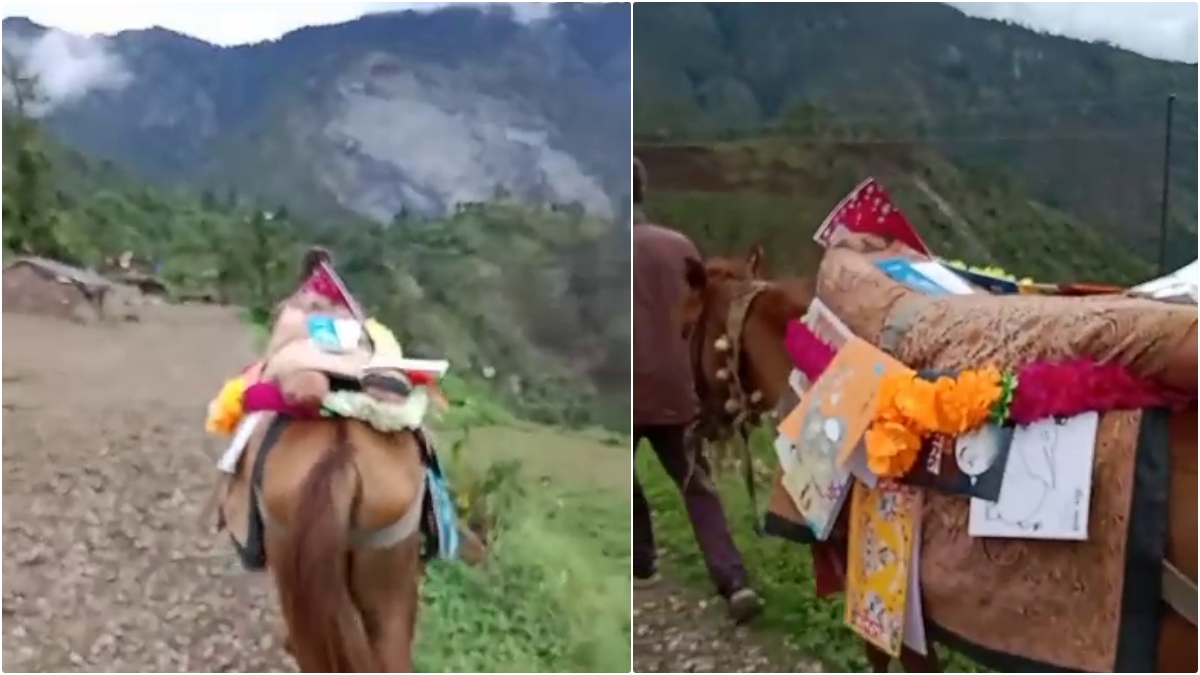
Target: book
(868,210)
(903,271)
(971,465)
(989,283)
(826,427)
(883,528)
(1046,489)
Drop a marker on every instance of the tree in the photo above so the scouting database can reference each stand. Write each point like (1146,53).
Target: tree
(30,229)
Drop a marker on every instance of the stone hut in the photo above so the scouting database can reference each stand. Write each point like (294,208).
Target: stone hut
(35,285)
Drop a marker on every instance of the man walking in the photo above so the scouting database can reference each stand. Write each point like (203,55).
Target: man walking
(664,403)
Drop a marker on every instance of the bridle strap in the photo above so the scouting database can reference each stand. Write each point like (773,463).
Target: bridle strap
(738,430)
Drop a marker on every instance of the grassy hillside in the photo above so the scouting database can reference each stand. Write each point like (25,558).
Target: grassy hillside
(1072,125)
(535,295)
(554,595)
(730,195)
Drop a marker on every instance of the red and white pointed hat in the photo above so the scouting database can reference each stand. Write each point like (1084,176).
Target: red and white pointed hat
(324,281)
(868,209)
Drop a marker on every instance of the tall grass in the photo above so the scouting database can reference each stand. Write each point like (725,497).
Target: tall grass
(553,595)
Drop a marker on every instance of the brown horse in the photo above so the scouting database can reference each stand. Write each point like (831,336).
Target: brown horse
(715,288)
(334,509)
(755,353)
(342,503)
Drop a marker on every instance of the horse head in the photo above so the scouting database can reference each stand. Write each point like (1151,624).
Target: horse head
(735,322)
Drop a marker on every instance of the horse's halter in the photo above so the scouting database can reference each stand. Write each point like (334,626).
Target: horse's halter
(724,414)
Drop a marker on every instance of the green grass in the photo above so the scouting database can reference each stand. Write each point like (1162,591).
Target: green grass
(553,595)
(781,571)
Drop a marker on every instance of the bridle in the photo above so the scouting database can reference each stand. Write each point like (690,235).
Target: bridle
(727,416)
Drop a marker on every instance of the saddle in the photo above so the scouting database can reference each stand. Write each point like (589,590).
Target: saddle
(1021,605)
(357,380)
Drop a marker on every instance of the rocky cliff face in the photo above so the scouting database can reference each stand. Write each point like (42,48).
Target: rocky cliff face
(394,112)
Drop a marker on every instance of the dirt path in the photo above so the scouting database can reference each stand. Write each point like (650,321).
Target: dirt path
(674,631)
(106,469)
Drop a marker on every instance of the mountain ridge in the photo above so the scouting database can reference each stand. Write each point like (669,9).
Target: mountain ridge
(401,111)
(926,75)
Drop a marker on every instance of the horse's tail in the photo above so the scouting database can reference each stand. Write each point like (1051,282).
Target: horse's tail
(325,628)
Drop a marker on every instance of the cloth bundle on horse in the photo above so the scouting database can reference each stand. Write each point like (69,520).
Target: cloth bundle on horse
(331,482)
(1121,600)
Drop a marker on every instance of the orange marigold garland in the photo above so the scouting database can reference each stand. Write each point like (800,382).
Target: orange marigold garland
(908,409)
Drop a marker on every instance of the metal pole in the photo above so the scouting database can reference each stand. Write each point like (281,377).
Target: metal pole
(1166,191)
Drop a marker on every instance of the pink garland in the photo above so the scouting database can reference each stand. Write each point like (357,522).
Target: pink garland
(809,352)
(1043,389)
(1066,389)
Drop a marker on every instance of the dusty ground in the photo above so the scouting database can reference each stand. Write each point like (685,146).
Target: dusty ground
(106,470)
(675,631)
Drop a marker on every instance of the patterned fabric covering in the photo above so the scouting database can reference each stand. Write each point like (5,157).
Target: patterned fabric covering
(1027,605)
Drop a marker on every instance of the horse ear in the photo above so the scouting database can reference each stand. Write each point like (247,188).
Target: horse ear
(754,261)
(695,274)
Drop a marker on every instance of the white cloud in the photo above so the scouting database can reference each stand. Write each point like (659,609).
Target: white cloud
(223,23)
(68,67)
(1165,30)
(1162,30)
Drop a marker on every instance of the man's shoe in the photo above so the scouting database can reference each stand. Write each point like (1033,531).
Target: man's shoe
(744,605)
(649,581)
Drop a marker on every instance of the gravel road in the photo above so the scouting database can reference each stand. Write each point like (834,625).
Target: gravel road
(675,631)
(106,470)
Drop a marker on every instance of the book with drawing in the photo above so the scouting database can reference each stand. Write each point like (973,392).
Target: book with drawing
(971,465)
(811,475)
(826,427)
(1047,485)
(883,527)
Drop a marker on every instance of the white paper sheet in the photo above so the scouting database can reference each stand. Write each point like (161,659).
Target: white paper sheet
(1047,484)
(229,459)
(914,615)
(938,274)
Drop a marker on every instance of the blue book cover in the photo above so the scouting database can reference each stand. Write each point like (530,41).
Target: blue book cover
(322,330)
(902,270)
(996,285)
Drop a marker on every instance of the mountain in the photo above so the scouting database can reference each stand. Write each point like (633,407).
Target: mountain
(466,169)
(528,302)
(1076,126)
(402,111)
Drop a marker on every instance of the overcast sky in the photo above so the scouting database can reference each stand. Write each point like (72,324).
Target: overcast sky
(1158,29)
(1163,30)
(223,23)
